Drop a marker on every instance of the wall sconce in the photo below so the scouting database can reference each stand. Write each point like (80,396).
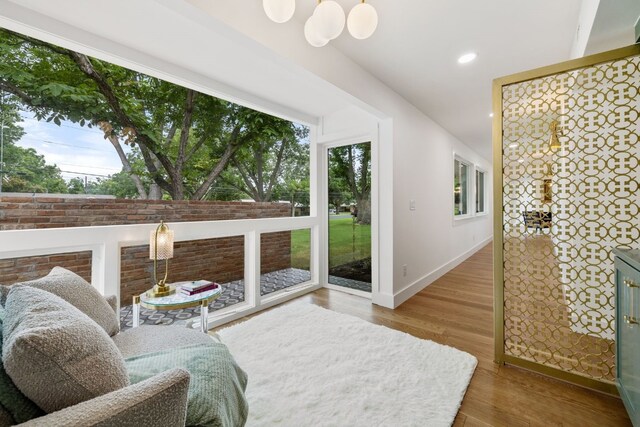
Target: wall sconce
(161,248)
(554,142)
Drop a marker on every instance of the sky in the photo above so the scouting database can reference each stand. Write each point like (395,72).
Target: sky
(78,151)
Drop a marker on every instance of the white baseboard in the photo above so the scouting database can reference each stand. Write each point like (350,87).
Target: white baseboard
(383,300)
(415,287)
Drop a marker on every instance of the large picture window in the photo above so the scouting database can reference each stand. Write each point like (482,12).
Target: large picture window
(480,191)
(461,179)
(75,124)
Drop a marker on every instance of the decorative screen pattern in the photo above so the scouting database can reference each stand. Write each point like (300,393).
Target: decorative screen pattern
(566,204)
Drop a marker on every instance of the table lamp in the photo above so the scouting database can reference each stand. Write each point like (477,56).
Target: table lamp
(161,248)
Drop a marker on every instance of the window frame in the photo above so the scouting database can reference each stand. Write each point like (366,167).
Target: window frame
(479,170)
(469,181)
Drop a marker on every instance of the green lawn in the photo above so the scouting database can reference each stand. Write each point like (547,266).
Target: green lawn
(300,249)
(347,243)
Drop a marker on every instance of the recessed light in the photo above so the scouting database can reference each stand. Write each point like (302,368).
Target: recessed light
(491,115)
(520,160)
(467,57)
(514,145)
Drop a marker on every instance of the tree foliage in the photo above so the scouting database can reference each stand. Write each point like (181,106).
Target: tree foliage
(184,139)
(274,165)
(350,167)
(23,169)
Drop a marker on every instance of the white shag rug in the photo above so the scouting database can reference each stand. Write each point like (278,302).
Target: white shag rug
(309,366)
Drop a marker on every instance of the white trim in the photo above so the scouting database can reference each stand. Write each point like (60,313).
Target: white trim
(418,285)
(325,144)
(484,190)
(347,290)
(384,299)
(106,243)
(470,180)
(275,296)
(231,315)
(23,20)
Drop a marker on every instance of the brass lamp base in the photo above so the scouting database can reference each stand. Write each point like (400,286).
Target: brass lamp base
(161,290)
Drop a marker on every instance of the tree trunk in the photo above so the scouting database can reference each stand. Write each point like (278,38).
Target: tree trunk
(127,166)
(155,192)
(364,210)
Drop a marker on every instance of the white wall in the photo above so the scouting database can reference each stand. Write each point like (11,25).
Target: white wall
(416,158)
(588,11)
(428,240)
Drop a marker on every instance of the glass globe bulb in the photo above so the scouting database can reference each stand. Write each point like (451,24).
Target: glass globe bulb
(311,34)
(329,19)
(363,20)
(279,10)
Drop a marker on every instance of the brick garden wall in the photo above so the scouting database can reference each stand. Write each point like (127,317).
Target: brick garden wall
(221,260)
(29,268)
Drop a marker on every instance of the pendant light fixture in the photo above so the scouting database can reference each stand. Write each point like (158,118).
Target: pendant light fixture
(311,34)
(363,20)
(328,19)
(279,11)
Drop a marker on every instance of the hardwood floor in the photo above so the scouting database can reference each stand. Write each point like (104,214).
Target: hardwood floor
(457,310)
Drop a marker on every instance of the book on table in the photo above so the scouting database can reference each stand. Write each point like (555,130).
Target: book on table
(196,287)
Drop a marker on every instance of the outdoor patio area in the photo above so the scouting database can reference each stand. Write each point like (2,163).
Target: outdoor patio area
(232,293)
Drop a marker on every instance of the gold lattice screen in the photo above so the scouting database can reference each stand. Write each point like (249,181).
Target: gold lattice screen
(565,205)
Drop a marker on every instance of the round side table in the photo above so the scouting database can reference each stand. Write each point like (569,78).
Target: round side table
(177,301)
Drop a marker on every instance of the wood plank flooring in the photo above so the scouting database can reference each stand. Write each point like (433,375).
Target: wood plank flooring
(457,310)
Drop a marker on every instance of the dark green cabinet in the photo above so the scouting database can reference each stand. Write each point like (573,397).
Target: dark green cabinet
(628,330)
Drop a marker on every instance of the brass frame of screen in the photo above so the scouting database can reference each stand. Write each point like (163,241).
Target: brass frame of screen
(498,259)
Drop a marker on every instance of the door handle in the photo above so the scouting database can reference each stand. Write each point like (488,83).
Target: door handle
(631,319)
(630,283)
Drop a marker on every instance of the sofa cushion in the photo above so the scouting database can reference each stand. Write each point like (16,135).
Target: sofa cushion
(79,293)
(55,354)
(15,407)
(151,339)
(216,388)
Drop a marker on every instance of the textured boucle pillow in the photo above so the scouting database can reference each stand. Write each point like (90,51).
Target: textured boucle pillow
(79,293)
(54,353)
(17,408)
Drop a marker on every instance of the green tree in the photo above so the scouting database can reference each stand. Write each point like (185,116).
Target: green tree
(10,131)
(352,165)
(76,186)
(119,185)
(185,138)
(267,167)
(23,169)
(27,172)
(339,192)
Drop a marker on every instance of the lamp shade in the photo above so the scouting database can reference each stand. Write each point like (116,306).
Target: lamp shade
(362,21)
(328,19)
(279,11)
(162,238)
(311,34)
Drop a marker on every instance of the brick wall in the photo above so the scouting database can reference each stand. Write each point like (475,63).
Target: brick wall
(221,260)
(272,257)
(42,212)
(29,268)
